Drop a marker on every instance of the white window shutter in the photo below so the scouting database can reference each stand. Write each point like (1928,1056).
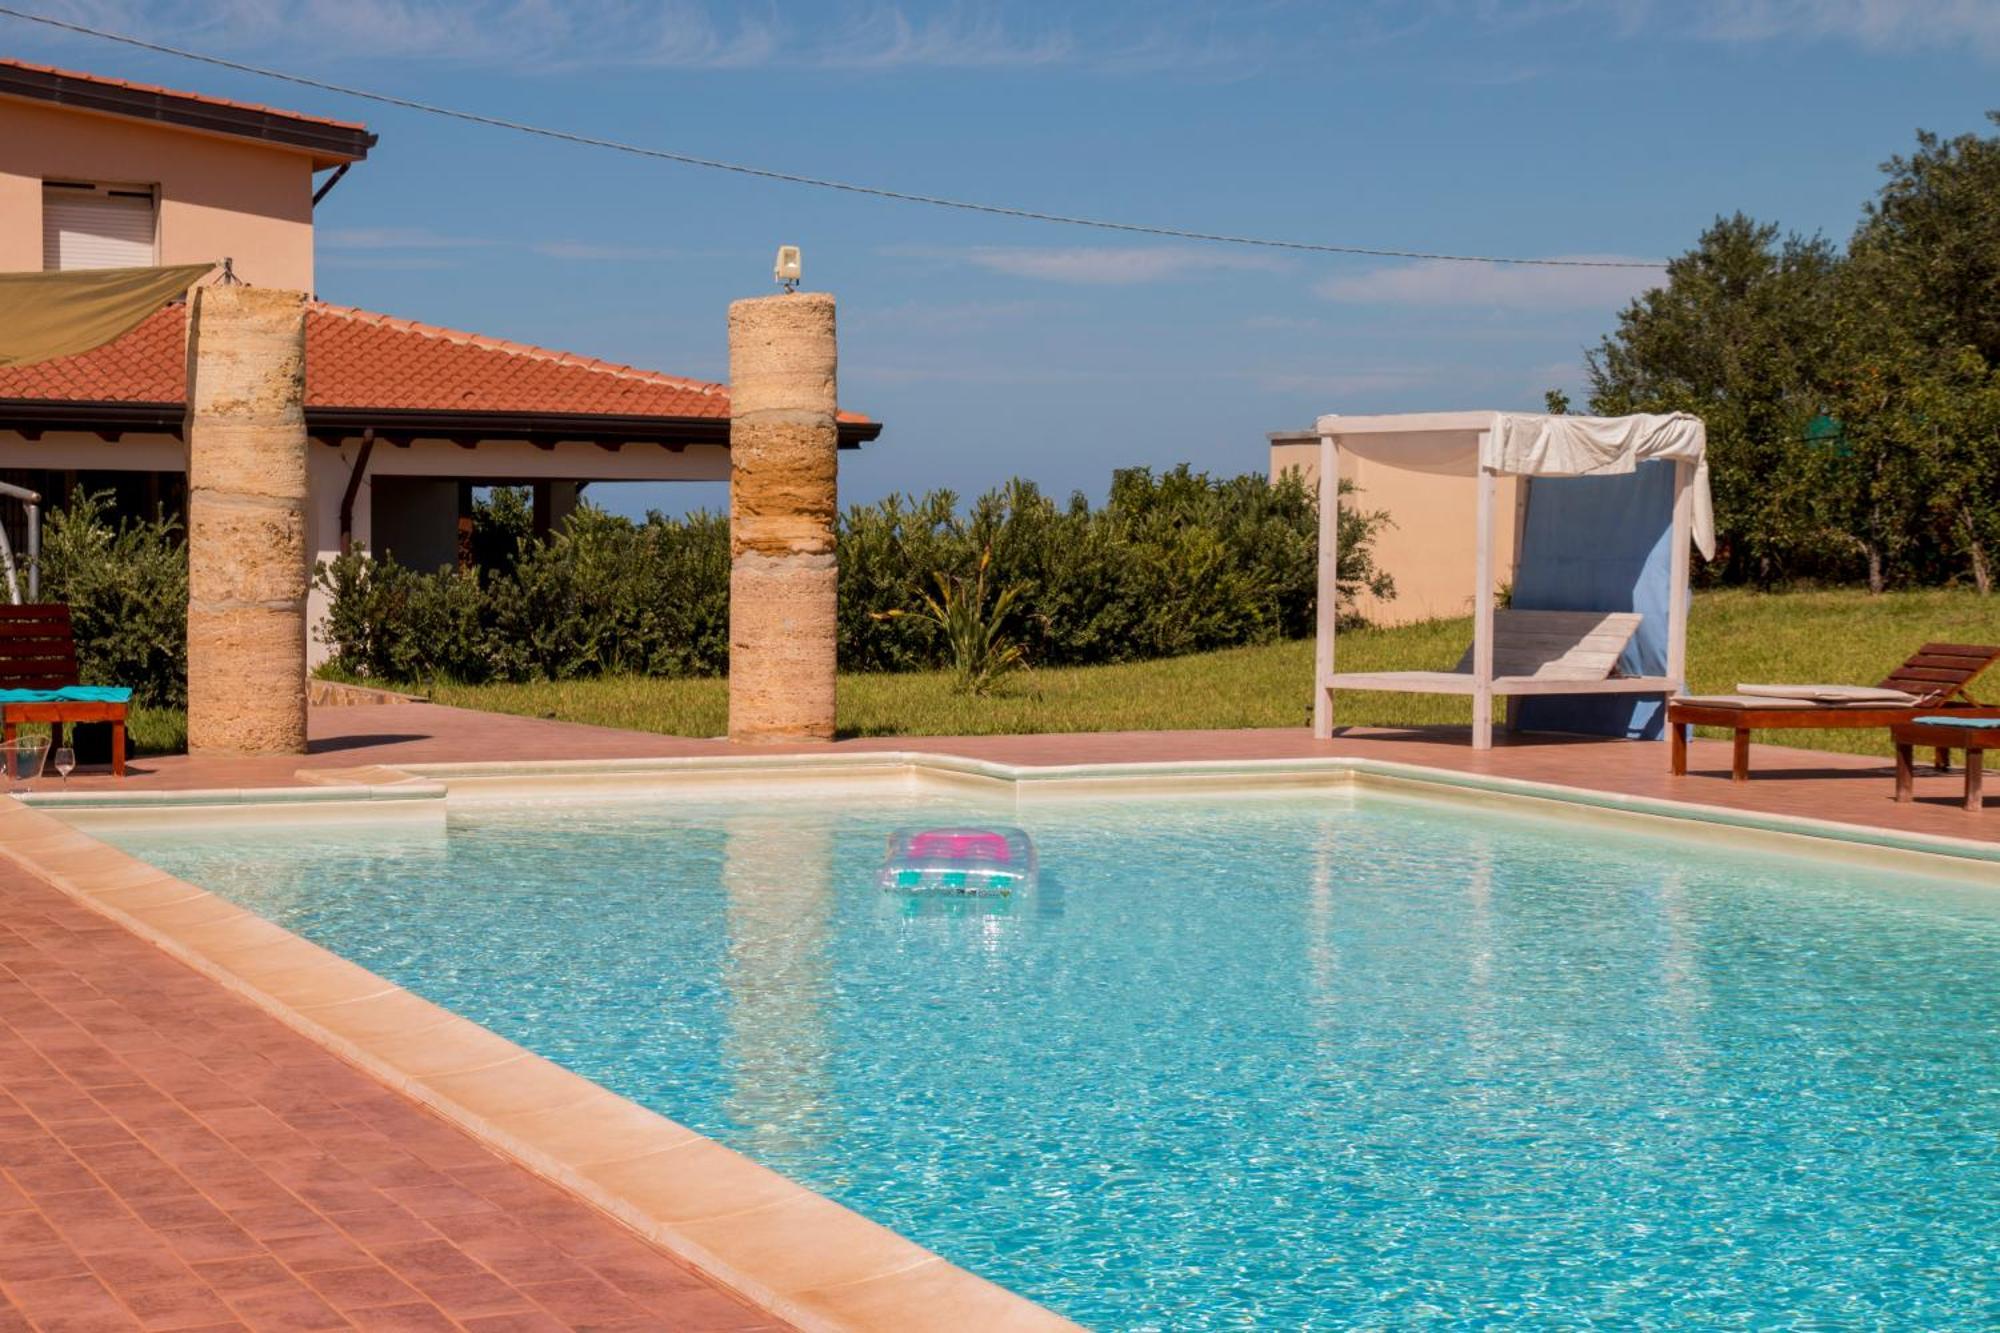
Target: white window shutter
(97,227)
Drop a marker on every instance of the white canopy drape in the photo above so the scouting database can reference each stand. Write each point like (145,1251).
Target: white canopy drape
(1535,445)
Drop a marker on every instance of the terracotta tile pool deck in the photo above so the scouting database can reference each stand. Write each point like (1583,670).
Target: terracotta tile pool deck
(173,1158)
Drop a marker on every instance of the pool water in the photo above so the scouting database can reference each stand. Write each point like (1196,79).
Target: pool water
(1273,1062)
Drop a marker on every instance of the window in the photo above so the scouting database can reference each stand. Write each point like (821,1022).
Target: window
(96,226)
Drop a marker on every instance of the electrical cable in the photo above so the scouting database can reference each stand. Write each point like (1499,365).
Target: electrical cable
(818,182)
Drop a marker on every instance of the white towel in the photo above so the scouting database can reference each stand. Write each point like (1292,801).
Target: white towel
(1831,694)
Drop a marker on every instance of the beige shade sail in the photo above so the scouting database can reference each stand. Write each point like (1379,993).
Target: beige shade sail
(47,315)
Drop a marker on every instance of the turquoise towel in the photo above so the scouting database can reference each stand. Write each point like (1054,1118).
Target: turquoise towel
(1984,723)
(70,694)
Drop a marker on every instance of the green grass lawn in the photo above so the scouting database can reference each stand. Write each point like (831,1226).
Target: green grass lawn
(1733,636)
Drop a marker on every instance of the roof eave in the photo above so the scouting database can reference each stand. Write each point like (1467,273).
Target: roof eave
(328,145)
(36,415)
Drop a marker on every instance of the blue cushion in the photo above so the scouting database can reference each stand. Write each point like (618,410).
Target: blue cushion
(1983,723)
(70,694)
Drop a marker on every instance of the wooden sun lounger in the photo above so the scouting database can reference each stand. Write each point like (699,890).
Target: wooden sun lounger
(38,652)
(1534,652)
(1939,674)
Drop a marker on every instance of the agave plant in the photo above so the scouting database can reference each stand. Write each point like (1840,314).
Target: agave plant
(982,654)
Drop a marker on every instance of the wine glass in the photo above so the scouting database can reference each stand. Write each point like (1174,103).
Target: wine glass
(65,761)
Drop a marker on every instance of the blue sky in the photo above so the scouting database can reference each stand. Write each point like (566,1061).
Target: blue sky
(994,348)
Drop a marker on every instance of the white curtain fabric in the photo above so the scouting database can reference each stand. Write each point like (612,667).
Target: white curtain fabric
(1566,446)
(1449,452)
(1536,445)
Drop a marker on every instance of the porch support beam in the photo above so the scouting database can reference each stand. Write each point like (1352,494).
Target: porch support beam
(1328,596)
(1482,613)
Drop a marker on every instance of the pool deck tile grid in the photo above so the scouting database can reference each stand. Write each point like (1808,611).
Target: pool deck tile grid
(173,1158)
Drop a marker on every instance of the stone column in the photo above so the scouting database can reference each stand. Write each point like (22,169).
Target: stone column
(247,488)
(782,499)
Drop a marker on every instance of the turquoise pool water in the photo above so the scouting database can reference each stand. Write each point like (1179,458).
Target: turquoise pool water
(1273,1062)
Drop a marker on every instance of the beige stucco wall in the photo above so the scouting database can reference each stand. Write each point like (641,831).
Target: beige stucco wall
(1431,544)
(218,197)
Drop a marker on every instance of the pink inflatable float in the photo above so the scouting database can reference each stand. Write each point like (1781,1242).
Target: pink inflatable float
(995,861)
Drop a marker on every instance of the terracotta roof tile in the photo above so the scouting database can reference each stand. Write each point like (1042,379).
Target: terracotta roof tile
(155,90)
(357,358)
(361,359)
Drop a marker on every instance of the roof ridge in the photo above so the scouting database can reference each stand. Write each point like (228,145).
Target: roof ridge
(594,364)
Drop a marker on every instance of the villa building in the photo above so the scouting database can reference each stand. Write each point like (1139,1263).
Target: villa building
(406,418)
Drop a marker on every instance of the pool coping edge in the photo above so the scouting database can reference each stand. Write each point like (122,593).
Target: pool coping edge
(1922,852)
(776,1243)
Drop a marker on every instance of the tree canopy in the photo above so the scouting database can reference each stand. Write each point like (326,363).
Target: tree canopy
(1852,398)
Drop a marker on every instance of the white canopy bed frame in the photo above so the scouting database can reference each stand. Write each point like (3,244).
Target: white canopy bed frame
(1542,657)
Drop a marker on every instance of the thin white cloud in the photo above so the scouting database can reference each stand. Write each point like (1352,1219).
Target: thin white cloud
(569,34)
(929,317)
(1875,25)
(406,26)
(988,374)
(395,238)
(886,37)
(1883,25)
(1284,323)
(591,251)
(1137,38)
(1433,282)
(388,263)
(682,34)
(1338,380)
(1113,266)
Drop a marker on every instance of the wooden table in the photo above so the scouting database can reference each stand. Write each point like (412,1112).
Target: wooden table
(58,713)
(1973,740)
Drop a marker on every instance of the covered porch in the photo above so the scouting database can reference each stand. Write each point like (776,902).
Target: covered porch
(405,421)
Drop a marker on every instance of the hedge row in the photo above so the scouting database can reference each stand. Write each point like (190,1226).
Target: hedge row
(1175,563)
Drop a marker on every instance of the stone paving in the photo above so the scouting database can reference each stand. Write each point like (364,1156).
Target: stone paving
(173,1158)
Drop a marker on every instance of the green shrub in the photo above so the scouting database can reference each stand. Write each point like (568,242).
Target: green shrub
(126,587)
(388,622)
(974,630)
(608,595)
(1174,563)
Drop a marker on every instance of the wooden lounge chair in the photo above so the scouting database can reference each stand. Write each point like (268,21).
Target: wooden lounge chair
(38,652)
(1934,679)
(1534,652)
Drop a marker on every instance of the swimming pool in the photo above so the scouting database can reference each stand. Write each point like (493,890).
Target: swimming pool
(1342,1057)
